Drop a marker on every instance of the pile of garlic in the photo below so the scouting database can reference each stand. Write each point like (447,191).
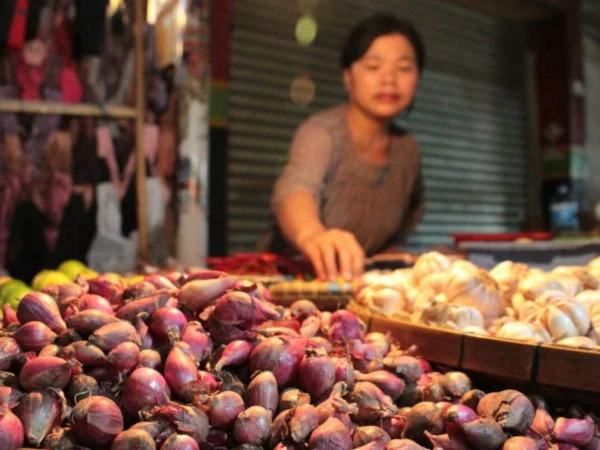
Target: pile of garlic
(510,301)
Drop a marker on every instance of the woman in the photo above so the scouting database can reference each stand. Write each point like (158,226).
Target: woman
(352,186)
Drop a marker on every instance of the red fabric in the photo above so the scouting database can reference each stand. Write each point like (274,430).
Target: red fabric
(30,80)
(16,37)
(72,91)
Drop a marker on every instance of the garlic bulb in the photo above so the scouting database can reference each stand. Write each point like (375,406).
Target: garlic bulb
(552,296)
(578,342)
(593,267)
(535,284)
(363,297)
(462,265)
(508,274)
(577,276)
(558,323)
(478,290)
(387,301)
(529,312)
(436,282)
(429,263)
(588,298)
(435,313)
(418,300)
(522,331)
(577,313)
(465,316)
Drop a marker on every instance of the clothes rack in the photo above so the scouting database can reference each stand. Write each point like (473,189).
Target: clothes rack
(110,111)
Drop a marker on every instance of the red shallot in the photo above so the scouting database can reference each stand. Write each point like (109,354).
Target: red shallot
(393,426)
(316,373)
(9,351)
(371,401)
(81,386)
(11,429)
(263,391)
(168,323)
(407,367)
(185,419)
(403,444)
(92,301)
(225,407)
(302,421)
(472,398)
(484,434)
(455,384)
(457,415)
(331,435)
(310,327)
(208,380)
(234,354)
(198,340)
(39,412)
(252,426)
(344,371)
(292,397)
(146,305)
(149,358)
(345,326)
(40,307)
(577,432)
(46,372)
(133,440)
(511,409)
(88,321)
(144,389)
(520,443)
(180,370)
(124,356)
(543,423)
(113,334)
(197,294)
(279,355)
(87,354)
(34,336)
(424,416)
(96,421)
(180,442)
(364,435)
(9,316)
(389,383)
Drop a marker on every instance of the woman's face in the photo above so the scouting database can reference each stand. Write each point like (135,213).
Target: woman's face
(383,82)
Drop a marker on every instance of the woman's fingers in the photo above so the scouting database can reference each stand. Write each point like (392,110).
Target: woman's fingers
(313,253)
(335,252)
(328,251)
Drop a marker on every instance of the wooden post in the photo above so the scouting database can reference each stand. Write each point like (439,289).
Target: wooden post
(139,131)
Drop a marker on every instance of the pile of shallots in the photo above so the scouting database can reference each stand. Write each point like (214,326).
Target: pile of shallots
(511,301)
(183,362)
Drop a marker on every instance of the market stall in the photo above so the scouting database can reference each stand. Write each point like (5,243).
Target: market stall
(203,360)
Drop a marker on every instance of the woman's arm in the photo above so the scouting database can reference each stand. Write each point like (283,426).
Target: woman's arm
(297,193)
(296,199)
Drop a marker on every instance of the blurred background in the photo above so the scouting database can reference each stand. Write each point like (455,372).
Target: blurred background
(505,112)
(506,117)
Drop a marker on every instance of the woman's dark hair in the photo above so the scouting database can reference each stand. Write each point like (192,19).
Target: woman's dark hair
(381,24)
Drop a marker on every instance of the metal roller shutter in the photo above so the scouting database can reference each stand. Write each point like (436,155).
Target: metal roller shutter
(470,117)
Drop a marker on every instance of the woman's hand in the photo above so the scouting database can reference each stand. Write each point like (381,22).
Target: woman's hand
(332,253)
